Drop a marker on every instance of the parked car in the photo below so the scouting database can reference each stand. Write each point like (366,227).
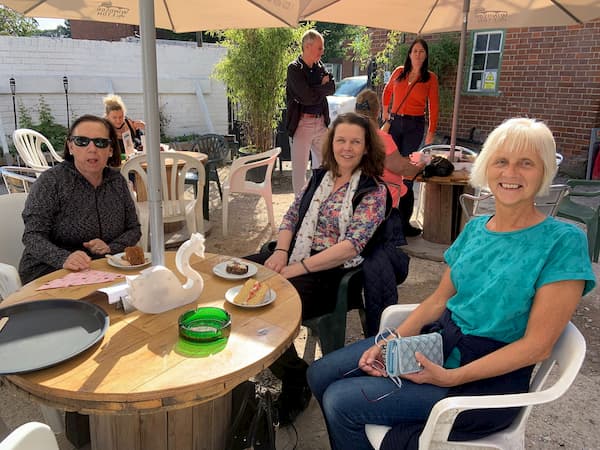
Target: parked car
(344,97)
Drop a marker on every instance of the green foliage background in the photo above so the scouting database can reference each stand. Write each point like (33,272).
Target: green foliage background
(14,24)
(54,132)
(254,71)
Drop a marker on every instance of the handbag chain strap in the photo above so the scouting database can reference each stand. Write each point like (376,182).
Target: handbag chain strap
(405,97)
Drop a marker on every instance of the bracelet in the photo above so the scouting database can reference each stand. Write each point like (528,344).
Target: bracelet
(304,265)
(282,250)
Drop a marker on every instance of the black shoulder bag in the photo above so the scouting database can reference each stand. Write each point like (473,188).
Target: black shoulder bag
(254,419)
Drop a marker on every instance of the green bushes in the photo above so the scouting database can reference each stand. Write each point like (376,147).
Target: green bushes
(54,132)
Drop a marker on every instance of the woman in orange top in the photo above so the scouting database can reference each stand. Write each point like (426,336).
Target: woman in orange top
(405,98)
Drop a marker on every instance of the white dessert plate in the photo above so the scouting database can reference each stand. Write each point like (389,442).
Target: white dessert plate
(118,261)
(270,297)
(221,271)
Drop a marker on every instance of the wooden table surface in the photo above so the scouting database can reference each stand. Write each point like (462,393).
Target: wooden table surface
(135,378)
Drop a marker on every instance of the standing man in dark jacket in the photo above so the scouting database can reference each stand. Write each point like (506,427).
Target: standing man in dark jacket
(308,85)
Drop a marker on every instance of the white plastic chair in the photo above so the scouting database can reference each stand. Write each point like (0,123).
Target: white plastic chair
(29,145)
(11,224)
(236,182)
(567,357)
(30,436)
(547,204)
(176,205)
(19,179)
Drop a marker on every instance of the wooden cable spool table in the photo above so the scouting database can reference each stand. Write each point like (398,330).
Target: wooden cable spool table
(442,216)
(139,392)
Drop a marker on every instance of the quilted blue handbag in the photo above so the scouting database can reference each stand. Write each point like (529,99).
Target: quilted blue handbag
(400,352)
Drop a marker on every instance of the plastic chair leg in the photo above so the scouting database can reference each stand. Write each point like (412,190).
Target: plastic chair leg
(225,212)
(268,196)
(219,184)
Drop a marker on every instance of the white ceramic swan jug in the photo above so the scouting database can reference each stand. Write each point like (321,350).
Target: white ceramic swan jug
(157,289)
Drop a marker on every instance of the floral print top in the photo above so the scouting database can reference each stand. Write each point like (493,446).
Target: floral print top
(369,213)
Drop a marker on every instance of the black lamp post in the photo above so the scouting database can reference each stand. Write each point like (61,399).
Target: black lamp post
(66,86)
(13,90)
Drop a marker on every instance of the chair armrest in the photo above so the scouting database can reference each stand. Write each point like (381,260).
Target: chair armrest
(394,315)
(583,183)
(9,280)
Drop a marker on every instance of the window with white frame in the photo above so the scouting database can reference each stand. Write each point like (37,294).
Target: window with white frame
(485,61)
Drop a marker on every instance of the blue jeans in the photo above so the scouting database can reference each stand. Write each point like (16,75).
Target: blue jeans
(345,407)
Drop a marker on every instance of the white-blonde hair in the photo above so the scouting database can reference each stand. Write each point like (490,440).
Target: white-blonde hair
(113,102)
(518,135)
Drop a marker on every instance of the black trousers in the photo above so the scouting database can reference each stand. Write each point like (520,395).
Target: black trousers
(318,294)
(407,132)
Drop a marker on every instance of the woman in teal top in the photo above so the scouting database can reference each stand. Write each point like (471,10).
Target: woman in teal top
(512,284)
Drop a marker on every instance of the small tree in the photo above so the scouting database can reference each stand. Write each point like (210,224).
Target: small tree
(254,71)
(14,24)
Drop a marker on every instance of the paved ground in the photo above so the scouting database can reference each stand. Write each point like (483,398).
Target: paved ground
(570,423)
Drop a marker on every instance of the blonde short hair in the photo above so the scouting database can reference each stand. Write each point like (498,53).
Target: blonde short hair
(113,103)
(517,135)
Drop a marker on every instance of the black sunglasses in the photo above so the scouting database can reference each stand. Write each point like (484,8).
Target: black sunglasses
(83,141)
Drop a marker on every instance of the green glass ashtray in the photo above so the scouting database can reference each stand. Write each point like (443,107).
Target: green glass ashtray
(205,325)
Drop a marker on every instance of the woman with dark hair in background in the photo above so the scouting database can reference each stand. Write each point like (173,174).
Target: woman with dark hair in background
(407,94)
(80,209)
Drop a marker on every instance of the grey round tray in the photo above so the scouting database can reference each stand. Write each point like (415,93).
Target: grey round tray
(43,333)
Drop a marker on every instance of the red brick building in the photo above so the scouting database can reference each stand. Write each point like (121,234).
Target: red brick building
(102,31)
(549,73)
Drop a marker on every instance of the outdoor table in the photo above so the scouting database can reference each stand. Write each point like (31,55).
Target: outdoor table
(442,216)
(139,392)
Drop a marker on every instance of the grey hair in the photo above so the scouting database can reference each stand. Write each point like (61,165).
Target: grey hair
(517,135)
(310,36)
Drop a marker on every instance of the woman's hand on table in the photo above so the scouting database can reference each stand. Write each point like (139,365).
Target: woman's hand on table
(78,260)
(97,247)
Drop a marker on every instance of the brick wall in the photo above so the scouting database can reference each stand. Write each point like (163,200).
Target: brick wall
(96,68)
(550,73)
(86,29)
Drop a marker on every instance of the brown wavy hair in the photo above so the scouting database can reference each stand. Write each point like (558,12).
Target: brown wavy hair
(372,162)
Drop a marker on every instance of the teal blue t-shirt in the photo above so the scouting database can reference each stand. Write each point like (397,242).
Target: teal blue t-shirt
(496,274)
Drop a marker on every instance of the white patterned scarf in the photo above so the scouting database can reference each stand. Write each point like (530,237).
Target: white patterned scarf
(304,237)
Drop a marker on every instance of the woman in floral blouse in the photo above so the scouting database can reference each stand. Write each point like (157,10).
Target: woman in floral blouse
(324,232)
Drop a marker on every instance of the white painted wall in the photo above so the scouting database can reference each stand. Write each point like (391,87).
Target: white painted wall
(96,68)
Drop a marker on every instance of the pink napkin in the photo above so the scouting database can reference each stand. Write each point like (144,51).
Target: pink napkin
(80,278)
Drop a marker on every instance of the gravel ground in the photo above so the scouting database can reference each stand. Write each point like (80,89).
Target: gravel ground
(569,423)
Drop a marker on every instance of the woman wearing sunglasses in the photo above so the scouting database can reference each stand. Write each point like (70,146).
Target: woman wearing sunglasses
(512,283)
(80,209)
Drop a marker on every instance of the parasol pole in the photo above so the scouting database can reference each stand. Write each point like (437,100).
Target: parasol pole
(459,76)
(152,130)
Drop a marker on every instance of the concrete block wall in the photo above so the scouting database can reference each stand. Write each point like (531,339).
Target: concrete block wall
(96,68)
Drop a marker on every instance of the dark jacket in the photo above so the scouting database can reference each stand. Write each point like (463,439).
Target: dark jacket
(473,424)
(63,210)
(299,93)
(385,265)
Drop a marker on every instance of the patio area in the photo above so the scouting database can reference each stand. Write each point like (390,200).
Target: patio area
(570,423)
